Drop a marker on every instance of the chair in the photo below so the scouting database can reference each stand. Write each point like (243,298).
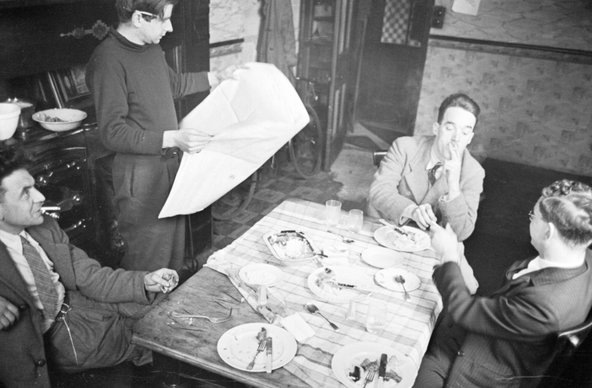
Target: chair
(377,157)
(567,343)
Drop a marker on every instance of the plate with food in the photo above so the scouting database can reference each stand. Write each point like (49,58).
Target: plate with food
(259,274)
(340,284)
(290,246)
(404,238)
(238,346)
(355,363)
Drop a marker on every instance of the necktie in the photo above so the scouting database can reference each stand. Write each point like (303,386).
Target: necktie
(433,171)
(45,286)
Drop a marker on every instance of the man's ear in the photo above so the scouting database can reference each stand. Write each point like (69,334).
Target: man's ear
(551,230)
(136,16)
(435,127)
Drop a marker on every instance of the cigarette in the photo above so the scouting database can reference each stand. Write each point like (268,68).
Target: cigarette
(46,209)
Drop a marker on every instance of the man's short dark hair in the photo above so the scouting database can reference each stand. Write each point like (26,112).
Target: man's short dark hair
(459,100)
(11,159)
(125,8)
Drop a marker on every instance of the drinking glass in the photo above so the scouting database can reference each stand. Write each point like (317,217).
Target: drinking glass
(332,212)
(376,317)
(355,220)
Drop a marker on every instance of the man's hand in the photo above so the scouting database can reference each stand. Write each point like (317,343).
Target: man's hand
(424,216)
(444,242)
(9,314)
(162,280)
(187,139)
(452,169)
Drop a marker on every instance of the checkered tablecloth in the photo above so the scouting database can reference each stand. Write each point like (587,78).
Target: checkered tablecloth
(410,322)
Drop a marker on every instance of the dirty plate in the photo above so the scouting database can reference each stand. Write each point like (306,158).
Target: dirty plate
(340,284)
(399,366)
(238,346)
(416,240)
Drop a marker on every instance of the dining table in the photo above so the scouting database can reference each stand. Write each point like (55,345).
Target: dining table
(315,354)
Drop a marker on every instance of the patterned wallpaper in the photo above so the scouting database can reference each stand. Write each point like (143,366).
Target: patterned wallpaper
(535,104)
(555,23)
(534,111)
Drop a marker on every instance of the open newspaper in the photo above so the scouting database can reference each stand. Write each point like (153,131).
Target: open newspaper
(250,116)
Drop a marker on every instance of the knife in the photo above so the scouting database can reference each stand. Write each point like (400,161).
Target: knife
(381,371)
(269,354)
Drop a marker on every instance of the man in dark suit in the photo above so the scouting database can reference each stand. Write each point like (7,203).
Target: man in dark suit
(57,305)
(506,339)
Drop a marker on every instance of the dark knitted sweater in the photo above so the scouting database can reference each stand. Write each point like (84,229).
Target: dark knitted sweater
(134,89)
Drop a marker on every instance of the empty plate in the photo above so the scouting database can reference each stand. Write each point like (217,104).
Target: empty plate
(259,274)
(386,278)
(381,257)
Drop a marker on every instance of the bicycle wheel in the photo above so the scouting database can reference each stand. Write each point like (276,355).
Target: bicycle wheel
(236,200)
(305,147)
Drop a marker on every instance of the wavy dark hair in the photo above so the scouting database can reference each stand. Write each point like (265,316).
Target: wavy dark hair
(11,159)
(459,100)
(126,8)
(567,204)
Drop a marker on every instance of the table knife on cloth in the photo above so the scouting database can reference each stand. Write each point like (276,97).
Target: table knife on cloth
(269,354)
(381,370)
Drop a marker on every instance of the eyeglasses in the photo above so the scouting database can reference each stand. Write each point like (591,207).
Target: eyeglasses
(147,15)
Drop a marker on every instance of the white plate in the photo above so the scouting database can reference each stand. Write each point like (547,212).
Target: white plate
(386,278)
(325,285)
(258,274)
(387,237)
(238,346)
(381,257)
(349,356)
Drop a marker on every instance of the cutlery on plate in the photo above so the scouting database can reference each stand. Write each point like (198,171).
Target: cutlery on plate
(370,376)
(313,309)
(397,229)
(381,371)
(261,337)
(269,354)
(401,280)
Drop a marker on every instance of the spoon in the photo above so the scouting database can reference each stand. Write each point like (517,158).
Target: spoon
(311,308)
(401,280)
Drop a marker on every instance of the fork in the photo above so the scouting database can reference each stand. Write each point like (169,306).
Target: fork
(260,348)
(369,376)
(397,229)
(211,319)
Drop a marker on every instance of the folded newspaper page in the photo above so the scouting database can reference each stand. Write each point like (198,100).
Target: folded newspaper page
(250,116)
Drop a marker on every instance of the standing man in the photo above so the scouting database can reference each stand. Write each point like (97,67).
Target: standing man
(58,307)
(134,89)
(507,339)
(431,179)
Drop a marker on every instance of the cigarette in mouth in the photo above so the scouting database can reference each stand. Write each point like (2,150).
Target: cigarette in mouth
(46,209)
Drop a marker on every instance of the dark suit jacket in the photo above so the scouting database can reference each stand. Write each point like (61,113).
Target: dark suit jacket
(402,180)
(504,340)
(22,352)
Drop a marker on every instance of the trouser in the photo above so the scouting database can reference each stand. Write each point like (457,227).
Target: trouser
(93,334)
(444,345)
(142,184)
